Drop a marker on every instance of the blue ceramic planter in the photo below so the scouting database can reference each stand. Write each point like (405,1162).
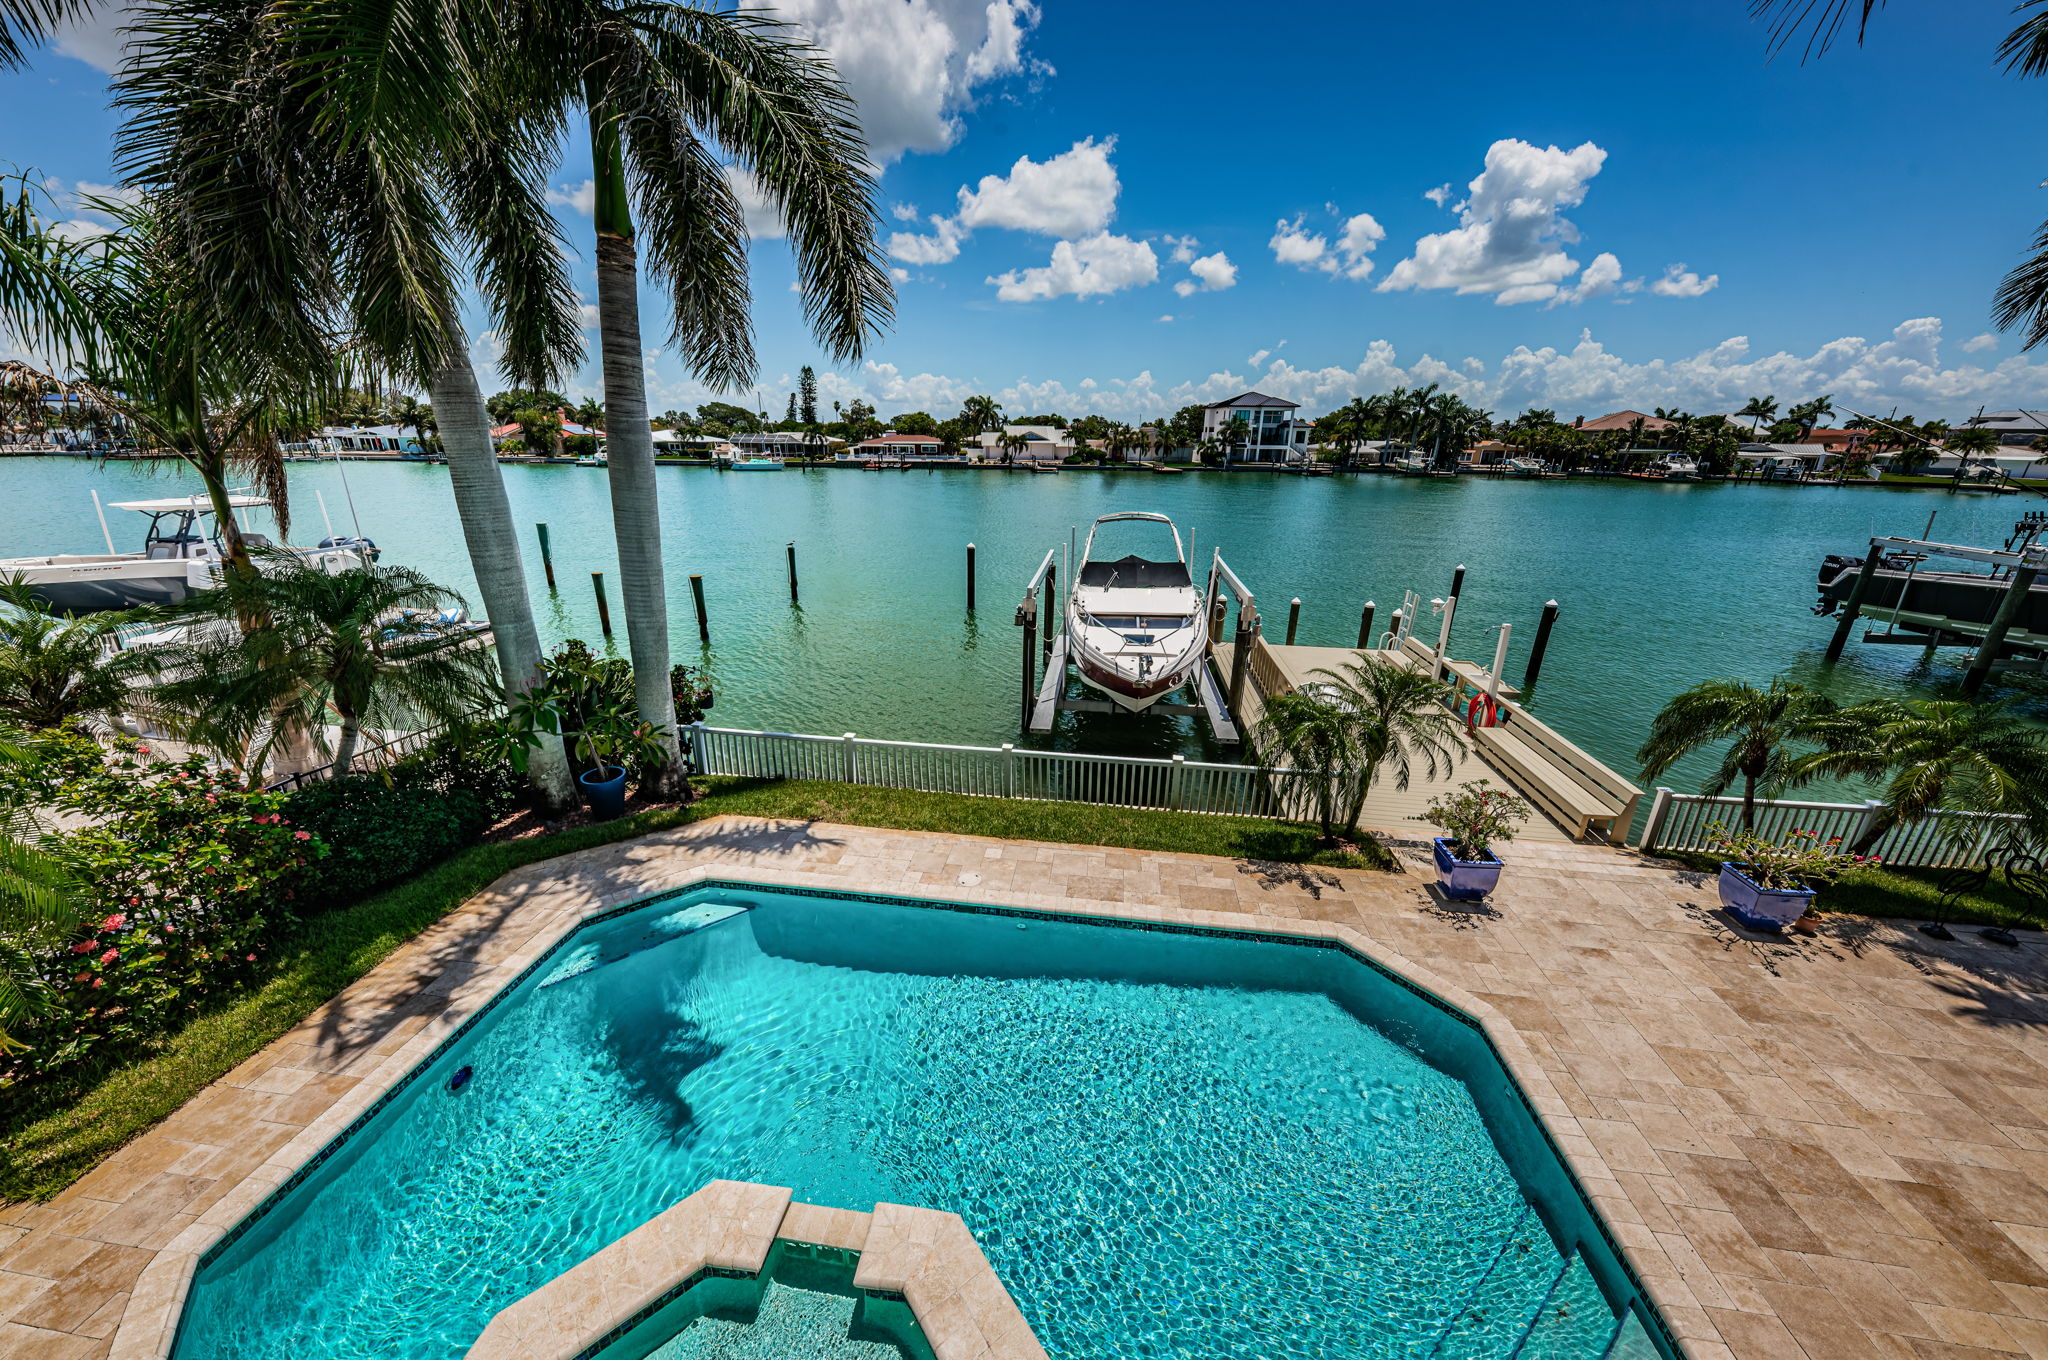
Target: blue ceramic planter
(607,796)
(1758,907)
(1465,880)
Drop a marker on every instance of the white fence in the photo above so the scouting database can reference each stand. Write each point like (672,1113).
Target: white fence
(1682,821)
(997,771)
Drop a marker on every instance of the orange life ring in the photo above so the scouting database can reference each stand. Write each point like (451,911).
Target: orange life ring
(1486,701)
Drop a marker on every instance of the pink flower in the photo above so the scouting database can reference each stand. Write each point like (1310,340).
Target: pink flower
(142,750)
(81,977)
(85,946)
(109,957)
(114,922)
(99,982)
(134,901)
(302,835)
(251,958)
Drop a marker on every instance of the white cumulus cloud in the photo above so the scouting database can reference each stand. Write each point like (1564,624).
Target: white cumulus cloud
(1977,344)
(1210,274)
(1183,247)
(1294,243)
(1597,279)
(1511,234)
(1439,195)
(1678,281)
(1071,194)
(581,197)
(913,66)
(764,220)
(1098,264)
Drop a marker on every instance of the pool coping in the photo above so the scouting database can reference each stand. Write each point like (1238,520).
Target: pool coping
(149,1324)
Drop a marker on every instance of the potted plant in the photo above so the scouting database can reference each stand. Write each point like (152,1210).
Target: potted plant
(1767,884)
(1473,819)
(611,738)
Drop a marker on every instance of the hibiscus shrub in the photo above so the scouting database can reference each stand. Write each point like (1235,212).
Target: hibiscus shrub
(378,833)
(186,879)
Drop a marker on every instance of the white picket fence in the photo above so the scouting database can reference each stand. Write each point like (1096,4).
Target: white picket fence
(1683,821)
(997,771)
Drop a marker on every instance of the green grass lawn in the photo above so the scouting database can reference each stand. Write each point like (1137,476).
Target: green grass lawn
(52,1135)
(1905,894)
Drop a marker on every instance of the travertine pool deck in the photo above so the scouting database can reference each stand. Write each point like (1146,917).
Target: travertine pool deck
(1831,1148)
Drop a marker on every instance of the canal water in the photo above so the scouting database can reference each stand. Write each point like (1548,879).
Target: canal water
(1660,585)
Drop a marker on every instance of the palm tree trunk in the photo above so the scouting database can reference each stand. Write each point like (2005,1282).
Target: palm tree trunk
(345,747)
(1748,802)
(629,441)
(486,515)
(1366,774)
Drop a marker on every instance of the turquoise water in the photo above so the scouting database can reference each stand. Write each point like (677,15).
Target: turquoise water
(1167,1145)
(1660,585)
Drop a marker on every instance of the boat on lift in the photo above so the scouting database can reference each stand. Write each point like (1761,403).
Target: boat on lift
(179,556)
(1673,467)
(1414,465)
(1524,467)
(1944,603)
(1134,623)
(757,462)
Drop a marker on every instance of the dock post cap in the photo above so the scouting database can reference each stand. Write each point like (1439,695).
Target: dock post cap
(1295,600)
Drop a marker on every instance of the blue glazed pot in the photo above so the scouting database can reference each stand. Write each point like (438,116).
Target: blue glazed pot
(607,795)
(1758,907)
(1465,880)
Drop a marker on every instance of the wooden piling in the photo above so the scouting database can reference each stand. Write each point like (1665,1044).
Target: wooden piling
(1854,607)
(1240,665)
(1029,618)
(1293,618)
(1400,616)
(1365,626)
(1458,581)
(1216,609)
(547,559)
(1543,626)
(703,619)
(970,578)
(2001,623)
(604,609)
(792,572)
(1048,610)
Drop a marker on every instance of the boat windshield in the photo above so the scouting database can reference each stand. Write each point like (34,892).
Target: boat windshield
(1135,573)
(1157,623)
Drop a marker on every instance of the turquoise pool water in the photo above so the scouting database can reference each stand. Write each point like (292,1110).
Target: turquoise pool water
(1168,1144)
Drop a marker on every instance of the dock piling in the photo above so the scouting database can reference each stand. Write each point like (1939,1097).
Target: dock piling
(970,578)
(1365,626)
(547,558)
(1240,663)
(1216,609)
(1854,607)
(1542,644)
(792,572)
(1028,617)
(703,619)
(1049,611)
(604,609)
(1293,618)
(1400,617)
(1458,581)
(2016,589)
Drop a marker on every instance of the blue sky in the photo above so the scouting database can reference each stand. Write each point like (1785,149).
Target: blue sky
(1636,206)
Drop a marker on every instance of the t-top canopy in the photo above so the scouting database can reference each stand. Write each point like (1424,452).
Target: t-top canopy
(200,504)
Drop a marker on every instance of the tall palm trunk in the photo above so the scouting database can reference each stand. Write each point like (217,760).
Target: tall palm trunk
(486,515)
(629,454)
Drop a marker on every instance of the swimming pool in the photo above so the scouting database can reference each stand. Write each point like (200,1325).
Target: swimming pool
(1169,1143)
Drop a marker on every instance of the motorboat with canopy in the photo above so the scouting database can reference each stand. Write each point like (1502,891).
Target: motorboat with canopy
(1134,622)
(181,553)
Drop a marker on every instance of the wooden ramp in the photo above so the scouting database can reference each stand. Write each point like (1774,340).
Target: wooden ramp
(1396,811)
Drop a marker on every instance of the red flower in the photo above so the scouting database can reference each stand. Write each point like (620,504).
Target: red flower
(109,957)
(81,977)
(99,982)
(302,835)
(142,750)
(85,946)
(251,958)
(114,922)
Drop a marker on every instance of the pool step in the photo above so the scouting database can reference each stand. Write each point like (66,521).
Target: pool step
(1505,1300)
(1632,1341)
(1574,1321)
(619,945)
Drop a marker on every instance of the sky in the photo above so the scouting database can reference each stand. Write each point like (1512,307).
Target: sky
(1128,207)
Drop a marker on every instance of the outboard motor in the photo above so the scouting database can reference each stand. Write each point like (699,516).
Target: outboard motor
(1831,568)
(364,547)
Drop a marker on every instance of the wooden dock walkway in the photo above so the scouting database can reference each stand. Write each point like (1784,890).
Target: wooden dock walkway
(1397,812)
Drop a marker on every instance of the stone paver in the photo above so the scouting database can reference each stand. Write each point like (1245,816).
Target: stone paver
(1823,1148)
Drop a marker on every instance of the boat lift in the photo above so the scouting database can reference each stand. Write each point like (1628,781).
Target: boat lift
(1043,690)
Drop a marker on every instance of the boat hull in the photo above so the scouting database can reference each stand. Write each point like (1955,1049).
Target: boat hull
(1957,596)
(1131,694)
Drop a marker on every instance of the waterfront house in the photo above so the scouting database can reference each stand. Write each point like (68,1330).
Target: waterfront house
(788,443)
(2016,428)
(1042,444)
(1623,421)
(1272,433)
(372,438)
(910,448)
(1781,462)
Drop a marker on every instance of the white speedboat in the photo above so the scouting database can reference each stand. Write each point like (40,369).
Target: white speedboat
(1524,467)
(1673,467)
(757,462)
(1134,623)
(1413,465)
(177,559)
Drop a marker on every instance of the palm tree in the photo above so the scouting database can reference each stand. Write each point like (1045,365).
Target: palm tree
(1012,443)
(360,645)
(1759,411)
(38,904)
(55,670)
(1760,726)
(660,84)
(1397,717)
(1935,753)
(1313,735)
(408,412)
(981,413)
(136,336)
(1811,413)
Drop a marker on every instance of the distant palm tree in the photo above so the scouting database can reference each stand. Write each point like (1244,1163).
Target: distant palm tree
(1935,753)
(56,670)
(408,412)
(981,413)
(1313,734)
(1760,411)
(1397,718)
(360,646)
(1810,414)
(1761,726)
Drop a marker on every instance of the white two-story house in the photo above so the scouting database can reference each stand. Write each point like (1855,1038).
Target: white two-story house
(1271,432)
